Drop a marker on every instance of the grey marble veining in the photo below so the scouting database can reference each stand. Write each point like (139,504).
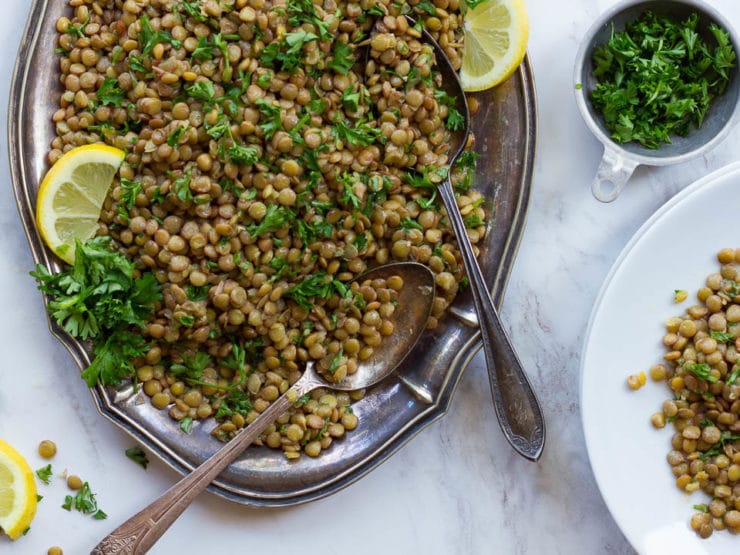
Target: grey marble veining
(456,488)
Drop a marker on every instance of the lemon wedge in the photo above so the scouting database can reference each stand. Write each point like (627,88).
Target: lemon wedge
(17,492)
(71,196)
(496,34)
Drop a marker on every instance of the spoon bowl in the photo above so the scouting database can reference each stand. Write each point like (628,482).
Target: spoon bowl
(416,297)
(516,405)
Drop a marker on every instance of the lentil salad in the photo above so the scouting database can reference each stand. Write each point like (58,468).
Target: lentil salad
(702,370)
(263,174)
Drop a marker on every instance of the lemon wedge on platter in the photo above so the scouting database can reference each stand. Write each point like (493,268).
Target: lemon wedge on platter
(72,194)
(496,34)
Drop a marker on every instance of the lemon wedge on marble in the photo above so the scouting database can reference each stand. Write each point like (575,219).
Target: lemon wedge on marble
(17,492)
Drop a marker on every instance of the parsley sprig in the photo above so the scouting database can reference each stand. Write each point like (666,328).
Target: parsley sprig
(98,298)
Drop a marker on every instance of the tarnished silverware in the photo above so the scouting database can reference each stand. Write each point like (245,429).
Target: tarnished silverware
(139,533)
(514,400)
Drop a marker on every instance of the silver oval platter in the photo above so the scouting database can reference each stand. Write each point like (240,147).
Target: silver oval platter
(393,411)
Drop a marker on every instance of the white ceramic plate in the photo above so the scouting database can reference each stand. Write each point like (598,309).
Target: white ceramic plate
(675,249)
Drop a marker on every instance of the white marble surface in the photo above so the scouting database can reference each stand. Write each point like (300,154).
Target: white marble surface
(454,489)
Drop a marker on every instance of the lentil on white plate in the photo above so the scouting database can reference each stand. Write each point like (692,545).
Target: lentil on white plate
(702,369)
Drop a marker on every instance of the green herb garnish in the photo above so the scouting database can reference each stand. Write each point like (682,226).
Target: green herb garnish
(658,77)
(84,501)
(186,424)
(44,473)
(734,376)
(110,93)
(148,38)
(236,402)
(701,371)
(137,455)
(98,298)
(243,155)
(722,337)
(191,368)
(342,58)
(316,286)
(275,219)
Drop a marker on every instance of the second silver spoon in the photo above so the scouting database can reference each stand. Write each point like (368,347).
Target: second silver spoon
(515,403)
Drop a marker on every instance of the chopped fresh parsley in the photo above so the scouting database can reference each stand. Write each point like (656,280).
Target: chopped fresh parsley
(276,218)
(243,155)
(302,400)
(191,368)
(734,376)
(174,138)
(84,501)
(342,58)
(181,187)
(204,50)
(196,294)
(129,191)
(287,53)
(361,135)
(304,11)
(658,77)
(731,287)
(270,119)
(410,223)
(137,455)
(722,337)
(110,93)
(44,473)
(474,221)
(360,241)
(235,402)
(717,449)
(455,120)
(351,100)
(78,31)
(220,128)
(701,370)
(220,42)
(349,197)
(316,286)
(309,232)
(192,8)
(467,160)
(186,424)
(148,38)
(426,7)
(201,90)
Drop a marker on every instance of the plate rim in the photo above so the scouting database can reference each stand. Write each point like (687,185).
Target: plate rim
(733,168)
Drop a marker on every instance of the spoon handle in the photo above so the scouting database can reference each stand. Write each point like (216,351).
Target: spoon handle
(140,532)
(517,408)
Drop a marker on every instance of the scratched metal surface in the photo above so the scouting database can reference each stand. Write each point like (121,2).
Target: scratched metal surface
(390,415)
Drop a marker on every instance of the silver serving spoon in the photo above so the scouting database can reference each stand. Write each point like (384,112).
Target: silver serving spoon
(139,533)
(517,408)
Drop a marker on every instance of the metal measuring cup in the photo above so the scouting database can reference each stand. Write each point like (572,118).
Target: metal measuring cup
(620,160)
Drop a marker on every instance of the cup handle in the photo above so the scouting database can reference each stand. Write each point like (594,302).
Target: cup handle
(612,175)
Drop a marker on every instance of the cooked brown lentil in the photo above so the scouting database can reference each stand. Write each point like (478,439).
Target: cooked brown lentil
(264,172)
(702,368)
(74,482)
(47,449)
